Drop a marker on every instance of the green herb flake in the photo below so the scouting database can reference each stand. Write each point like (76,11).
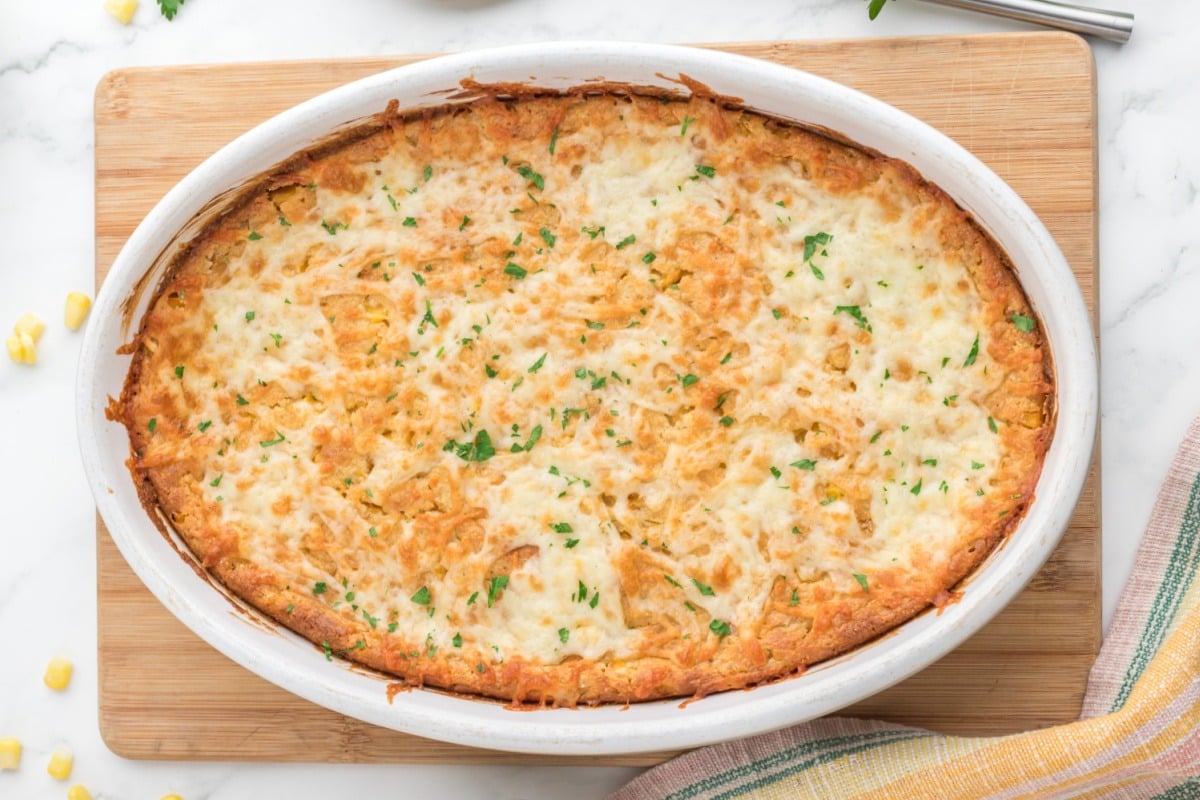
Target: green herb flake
(570,543)
(241,401)
(537,364)
(862,581)
(217,480)
(704,589)
(203,426)
(254,236)
(628,240)
(727,421)
(409,222)
(279,437)
(179,371)
(706,170)
(686,122)
(720,628)
(534,435)
(856,314)
(533,177)
(563,635)
(152,425)
(976,465)
(516,270)
(971,356)
(804,463)
(672,581)
(332,228)
(249,316)
(421,597)
(916,489)
(553,143)
(495,586)
(562,527)
(689,379)
(319,587)
(1023,323)
(548,237)
(649,258)
(992,425)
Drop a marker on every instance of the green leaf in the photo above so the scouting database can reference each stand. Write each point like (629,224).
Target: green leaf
(704,589)
(874,7)
(528,174)
(971,356)
(862,581)
(421,597)
(169,8)
(1023,323)
(720,628)
(516,270)
(804,463)
(495,586)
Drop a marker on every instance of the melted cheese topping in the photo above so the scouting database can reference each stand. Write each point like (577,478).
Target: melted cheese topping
(590,380)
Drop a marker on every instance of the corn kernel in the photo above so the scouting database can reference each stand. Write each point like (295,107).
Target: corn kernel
(78,305)
(21,348)
(121,9)
(171,797)
(58,673)
(10,753)
(61,762)
(78,792)
(30,324)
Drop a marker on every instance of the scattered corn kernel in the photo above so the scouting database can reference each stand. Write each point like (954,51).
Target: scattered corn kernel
(78,792)
(61,762)
(30,324)
(21,348)
(121,9)
(10,753)
(78,305)
(58,673)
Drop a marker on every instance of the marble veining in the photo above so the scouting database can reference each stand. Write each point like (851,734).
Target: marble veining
(50,63)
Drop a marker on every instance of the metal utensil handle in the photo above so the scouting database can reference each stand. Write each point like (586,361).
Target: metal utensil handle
(1116,26)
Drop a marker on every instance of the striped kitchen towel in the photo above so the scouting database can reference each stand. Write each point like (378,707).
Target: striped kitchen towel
(1138,736)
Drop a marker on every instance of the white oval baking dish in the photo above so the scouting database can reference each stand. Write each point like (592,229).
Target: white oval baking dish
(296,665)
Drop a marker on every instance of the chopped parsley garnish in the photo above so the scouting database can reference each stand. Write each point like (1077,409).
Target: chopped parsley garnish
(152,425)
(976,465)
(548,237)
(686,122)
(562,527)
(649,258)
(726,421)
(704,589)
(203,426)
(570,543)
(534,435)
(249,316)
(537,364)
(930,462)
(971,356)
(479,449)
(319,587)
(672,581)
(596,326)
(992,425)
(856,313)
(816,240)
(916,489)
(804,463)
(279,437)
(421,596)
(628,240)
(332,228)
(595,601)
(553,143)
(179,371)
(409,222)
(277,338)
(720,628)
(1023,323)
(471,600)
(516,270)
(491,373)
(241,401)
(457,640)
(689,379)
(217,480)
(495,586)
(254,236)
(593,231)
(776,313)
(465,222)
(528,174)
(862,581)
(428,319)
(875,438)
(563,635)
(775,471)
(706,170)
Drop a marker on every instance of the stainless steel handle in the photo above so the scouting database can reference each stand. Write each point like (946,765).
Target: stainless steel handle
(1112,25)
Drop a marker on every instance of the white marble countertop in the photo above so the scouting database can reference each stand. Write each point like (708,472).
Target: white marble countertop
(51,56)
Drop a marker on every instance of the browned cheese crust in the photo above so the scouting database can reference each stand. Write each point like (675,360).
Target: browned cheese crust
(595,399)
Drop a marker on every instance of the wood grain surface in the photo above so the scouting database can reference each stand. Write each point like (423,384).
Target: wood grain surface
(1023,103)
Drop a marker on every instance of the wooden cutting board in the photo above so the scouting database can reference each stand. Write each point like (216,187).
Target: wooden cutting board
(1024,103)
